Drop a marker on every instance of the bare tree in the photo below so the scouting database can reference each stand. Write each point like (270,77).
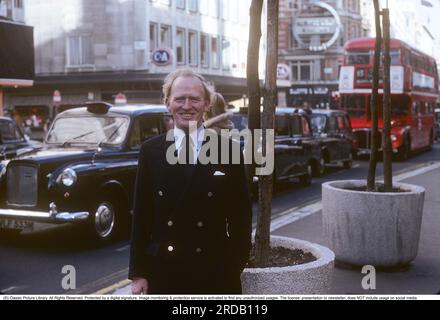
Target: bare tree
(386,134)
(252,75)
(371,180)
(262,237)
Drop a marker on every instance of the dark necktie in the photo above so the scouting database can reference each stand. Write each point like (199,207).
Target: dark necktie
(186,157)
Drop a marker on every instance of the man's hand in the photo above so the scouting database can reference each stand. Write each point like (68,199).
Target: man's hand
(139,286)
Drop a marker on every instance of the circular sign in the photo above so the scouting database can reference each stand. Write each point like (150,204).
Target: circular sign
(56,98)
(162,57)
(283,71)
(315,27)
(120,98)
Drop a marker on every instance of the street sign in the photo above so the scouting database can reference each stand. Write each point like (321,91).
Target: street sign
(56,98)
(120,98)
(162,57)
(283,71)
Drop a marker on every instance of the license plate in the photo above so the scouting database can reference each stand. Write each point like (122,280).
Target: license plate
(16,224)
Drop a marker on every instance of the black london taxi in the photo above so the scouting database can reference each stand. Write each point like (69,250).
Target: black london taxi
(297,152)
(333,130)
(84,172)
(12,140)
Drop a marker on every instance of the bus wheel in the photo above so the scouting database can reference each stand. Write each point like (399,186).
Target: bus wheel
(405,149)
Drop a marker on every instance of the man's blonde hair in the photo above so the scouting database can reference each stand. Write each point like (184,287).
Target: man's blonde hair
(185,72)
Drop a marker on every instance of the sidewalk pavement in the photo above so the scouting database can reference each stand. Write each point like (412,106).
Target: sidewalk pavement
(422,276)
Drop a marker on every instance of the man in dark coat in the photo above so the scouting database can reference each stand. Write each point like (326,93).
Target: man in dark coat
(192,222)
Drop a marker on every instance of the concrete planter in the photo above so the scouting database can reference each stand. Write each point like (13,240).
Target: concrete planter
(309,278)
(371,228)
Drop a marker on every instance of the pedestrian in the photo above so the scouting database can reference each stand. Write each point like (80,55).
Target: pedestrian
(217,117)
(191,222)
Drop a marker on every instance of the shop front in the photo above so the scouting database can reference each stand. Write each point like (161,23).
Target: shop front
(312,96)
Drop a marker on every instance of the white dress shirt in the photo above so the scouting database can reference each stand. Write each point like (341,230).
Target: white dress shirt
(196,137)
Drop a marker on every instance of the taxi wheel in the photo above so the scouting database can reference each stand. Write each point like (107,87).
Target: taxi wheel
(104,224)
(348,163)
(319,167)
(306,179)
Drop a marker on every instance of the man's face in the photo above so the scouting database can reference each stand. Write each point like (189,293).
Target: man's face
(187,102)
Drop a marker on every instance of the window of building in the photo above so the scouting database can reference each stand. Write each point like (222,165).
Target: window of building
(80,50)
(192,48)
(165,36)
(214,52)
(225,9)
(166,2)
(213,8)
(18,4)
(153,36)
(233,7)
(204,50)
(180,46)
(180,4)
(204,6)
(226,54)
(301,70)
(193,5)
(293,4)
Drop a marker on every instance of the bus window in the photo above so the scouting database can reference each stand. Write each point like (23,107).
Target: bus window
(395,57)
(358,57)
(415,108)
(354,105)
(399,105)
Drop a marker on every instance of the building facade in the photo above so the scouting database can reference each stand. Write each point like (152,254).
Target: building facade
(93,50)
(311,39)
(12,10)
(15,68)
(414,22)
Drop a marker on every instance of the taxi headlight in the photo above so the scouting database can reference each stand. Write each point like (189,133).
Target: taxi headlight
(68,177)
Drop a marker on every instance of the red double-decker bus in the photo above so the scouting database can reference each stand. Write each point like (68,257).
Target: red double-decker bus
(414,91)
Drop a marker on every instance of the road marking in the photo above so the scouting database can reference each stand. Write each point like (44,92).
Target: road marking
(294,214)
(113,287)
(7,290)
(12,289)
(417,172)
(99,283)
(124,248)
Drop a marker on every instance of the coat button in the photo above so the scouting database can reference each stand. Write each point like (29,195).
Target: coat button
(170,248)
(160,193)
(198,250)
(170,223)
(210,194)
(200,224)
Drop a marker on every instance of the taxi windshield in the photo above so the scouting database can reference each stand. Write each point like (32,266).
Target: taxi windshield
(88,130)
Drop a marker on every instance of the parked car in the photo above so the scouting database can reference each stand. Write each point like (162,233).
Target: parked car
(437,123)
(333,130)
(85,171)
(12,140)
(297,153)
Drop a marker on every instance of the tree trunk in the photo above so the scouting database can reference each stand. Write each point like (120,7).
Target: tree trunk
(262,238)
(371,180)
(386,135)
(252,75)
